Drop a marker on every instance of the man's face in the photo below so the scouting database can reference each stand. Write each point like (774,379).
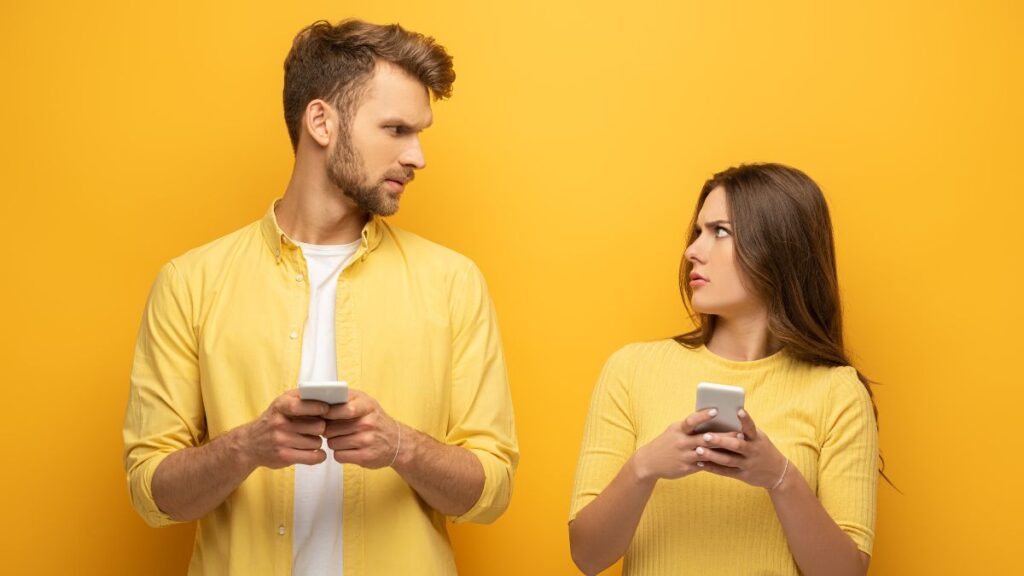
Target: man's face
(374,158)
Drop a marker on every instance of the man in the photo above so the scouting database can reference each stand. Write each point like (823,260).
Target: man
(322,288)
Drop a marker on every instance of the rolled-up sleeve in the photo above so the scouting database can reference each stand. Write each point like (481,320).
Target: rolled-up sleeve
(165,407)
(481,418)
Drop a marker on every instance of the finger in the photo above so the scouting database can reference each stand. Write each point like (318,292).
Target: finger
(356,407)
(721,470)
(298,441)
(343,427)
(350,442)
(697,418)
(308,457)
(747,427)
(310,425)
(730,442)
(358,457)
(720,458)
(290,404)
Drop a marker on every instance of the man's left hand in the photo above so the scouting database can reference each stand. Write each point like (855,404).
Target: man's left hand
(361,433)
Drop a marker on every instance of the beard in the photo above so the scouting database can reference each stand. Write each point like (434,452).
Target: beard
(345,170)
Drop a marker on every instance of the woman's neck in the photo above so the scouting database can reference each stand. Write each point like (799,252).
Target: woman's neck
(743,339)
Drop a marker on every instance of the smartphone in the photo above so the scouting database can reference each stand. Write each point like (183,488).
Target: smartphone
(330,391)
(728,400)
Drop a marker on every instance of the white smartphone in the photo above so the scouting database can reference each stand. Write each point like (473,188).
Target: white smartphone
(330,391)
(728,400)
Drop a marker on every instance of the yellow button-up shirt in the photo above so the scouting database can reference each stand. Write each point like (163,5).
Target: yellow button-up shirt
(221,337)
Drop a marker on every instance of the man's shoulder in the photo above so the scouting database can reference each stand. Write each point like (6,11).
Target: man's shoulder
(217,253)
(423,253)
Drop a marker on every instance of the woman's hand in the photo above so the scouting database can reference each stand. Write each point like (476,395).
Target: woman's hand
(755,461)
(673,453)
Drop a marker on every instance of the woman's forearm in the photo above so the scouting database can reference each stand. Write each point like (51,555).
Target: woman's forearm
(602,531)
(818,545)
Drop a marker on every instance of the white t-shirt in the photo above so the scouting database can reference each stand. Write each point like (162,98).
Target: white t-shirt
(316,538)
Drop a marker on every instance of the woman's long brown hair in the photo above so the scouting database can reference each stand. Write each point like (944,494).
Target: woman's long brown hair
(786,254)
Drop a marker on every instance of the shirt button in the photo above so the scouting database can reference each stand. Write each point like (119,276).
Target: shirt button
(280,529)
(293,335)
(298,278)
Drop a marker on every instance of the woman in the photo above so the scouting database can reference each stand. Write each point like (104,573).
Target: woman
(793,492)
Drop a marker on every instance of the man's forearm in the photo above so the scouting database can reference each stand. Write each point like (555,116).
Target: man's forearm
(449,478)
(191,482)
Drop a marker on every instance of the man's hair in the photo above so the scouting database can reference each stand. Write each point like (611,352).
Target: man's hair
(334,63)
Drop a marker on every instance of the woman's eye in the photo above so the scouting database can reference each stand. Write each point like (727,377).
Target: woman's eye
(721,232)
(396,130)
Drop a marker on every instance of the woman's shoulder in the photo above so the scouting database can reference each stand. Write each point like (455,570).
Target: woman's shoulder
(648,350)
(647,356)
(845,381)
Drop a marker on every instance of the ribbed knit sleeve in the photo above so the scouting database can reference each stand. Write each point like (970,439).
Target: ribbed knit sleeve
(848,464)
(609,437)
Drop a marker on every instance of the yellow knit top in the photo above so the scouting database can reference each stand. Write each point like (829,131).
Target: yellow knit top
(818,417)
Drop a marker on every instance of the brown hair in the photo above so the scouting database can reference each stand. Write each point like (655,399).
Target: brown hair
(783,237)
(333,62)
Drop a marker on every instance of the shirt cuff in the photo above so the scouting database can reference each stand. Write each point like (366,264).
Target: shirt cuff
(140,483)
(497,491)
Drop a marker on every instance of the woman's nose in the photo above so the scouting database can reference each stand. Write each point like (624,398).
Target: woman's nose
(693,253)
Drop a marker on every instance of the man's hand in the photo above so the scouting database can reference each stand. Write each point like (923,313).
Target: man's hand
(361,433)
(190,483)
(287,433)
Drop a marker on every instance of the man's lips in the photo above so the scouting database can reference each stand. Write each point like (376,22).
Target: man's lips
(398,183)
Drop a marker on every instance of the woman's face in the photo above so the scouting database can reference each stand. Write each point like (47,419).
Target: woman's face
(715,278)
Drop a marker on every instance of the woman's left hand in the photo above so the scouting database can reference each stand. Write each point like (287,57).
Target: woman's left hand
(755,461)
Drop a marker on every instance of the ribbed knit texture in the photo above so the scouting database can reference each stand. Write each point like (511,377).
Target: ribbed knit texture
(819,417)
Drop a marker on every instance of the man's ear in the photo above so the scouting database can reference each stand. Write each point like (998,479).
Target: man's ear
(320,121)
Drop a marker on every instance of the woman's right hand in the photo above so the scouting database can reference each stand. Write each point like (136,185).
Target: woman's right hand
(673,453)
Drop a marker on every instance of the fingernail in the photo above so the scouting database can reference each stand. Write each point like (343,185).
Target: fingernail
(713,412)
(708,437)
(741,436)
(742,413)
(700,450)
(701,464)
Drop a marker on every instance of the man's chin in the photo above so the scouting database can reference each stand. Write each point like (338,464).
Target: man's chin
(389,204)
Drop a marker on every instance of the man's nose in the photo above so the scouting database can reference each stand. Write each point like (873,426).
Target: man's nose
(413,155)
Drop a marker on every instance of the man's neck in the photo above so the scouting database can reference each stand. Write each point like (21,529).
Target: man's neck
(744,339)
(314,211)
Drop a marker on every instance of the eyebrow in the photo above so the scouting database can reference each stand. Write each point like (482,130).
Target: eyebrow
(714,223)
(403,123)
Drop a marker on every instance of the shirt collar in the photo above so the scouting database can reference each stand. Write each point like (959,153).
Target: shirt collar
(279,242)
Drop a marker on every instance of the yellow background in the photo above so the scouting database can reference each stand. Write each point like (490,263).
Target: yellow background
(566,166)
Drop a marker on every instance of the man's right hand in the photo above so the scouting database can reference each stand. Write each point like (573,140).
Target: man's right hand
(287,433)
(190,483)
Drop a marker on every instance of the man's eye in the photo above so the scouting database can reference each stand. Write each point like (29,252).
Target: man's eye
(396,130)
